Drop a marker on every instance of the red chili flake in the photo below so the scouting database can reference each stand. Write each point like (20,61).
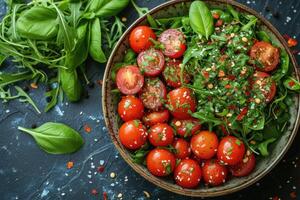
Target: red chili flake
(209,98)
(87,128)
(216,16)
(231,107)
(292,42)
(231,77)
(104,196)
(293,195)
(242,114)
(100,82)
(70,164)
(286,37)
(247,93)
(228,86)
(33,85)
(291,83)
(101,168)
(205,74)
(94,192)
(219,23)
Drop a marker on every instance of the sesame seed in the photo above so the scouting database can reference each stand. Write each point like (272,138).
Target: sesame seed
(244,39)
(112,175)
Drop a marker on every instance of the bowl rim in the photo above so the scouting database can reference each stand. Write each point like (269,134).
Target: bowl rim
(163,184)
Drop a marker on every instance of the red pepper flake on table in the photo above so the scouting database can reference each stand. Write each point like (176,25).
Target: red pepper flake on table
(293,195)
(70,164)
(94,192)
(87,128)
(104,195)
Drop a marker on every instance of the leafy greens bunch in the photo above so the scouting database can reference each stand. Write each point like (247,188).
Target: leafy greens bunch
(51,40)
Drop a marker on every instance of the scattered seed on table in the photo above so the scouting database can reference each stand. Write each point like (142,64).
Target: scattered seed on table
(112,175)
(33,85)
(120,195)
(147,195)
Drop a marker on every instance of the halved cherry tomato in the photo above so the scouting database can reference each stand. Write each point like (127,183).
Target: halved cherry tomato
(151,62)
(265,85)
(139,38)
(161,135)
(245,167)
(130,108)
(186,127)
(205,144)
(129,79)
(133,135)
(153,94)
(188,173)
(156,117)
(266,54)
(181,102)
(174,43)
(231,150)
(214,173)
(160,162)
(171,74)
(183,149)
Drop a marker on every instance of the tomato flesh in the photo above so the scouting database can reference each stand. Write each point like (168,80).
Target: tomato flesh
(186,127)
(172,72)
(214,173)
(263,84)
(139,38)
(231,150)
(129,80)
(156,117)
(188,173)
(133,135)
(153,94)
(130,108)
(173,41)
(245,167)
(181,102)
(160,162)
(205,144)
(266,54)
(151,62)
(161,135)
(183,149)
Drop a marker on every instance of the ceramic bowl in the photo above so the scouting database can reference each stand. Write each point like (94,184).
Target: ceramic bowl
(278,149)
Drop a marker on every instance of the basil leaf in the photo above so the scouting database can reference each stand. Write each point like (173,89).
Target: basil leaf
(95,49)
(284,66)
(111,8)
(233,12)
(262,35)
(263,147)
(70,84)
(251,23)
(75,13)
(56,138)
(38,23)
(201,19)
(291,84)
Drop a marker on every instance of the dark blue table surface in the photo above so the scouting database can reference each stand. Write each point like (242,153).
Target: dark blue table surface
(26,172)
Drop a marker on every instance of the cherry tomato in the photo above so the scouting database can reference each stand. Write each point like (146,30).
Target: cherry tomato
(153,94)
(188,173)
(129,80)
(172,72)
(183,149)
(156,117)
(133,135)
(181,102)
(130,108)
(231,150)
(173,41)
(139,38)
(160,162)
(161,135)
(151,62)
(205,144)
(214,173)
(263,84)
(186,127)
(266,54)
(245,167)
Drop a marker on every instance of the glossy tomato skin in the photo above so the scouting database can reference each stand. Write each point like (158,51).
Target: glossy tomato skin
(183,149)
(156,117)
(205,144)
(133,135)
(130,108)
(181,102)
(266,54)
(231,150)
(161,135)
(214,173)
(174,43)
(186,127)
(245,167)
(172,72)
(265,85)
(151,62)
(139,38)
(153,94)
(160,162)
(129,80)
(188,173)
